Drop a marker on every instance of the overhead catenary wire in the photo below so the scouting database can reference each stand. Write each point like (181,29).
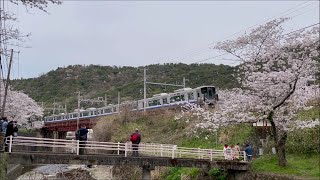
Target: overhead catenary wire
(283,14)
(273,17)
(219,55)
(301,29)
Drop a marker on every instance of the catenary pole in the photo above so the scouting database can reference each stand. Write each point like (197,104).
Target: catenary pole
(7,85)
(78,110)
(119,102)
(144,89)
(105,100)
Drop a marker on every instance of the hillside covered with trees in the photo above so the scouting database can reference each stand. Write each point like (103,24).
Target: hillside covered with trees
(95,81)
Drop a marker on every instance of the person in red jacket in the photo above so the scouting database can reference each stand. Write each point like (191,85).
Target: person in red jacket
(135,138)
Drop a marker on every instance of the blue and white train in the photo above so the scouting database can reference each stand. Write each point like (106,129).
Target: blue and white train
(200,95)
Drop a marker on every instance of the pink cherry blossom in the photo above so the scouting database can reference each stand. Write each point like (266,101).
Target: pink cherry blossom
(20,107)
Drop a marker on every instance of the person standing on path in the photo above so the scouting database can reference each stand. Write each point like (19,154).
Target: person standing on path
(82,134)
(11,130)
(237,151)
(248,151)
(3,127)
(135,139)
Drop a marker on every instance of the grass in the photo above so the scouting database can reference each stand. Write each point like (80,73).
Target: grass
(312,113)
(154,128)
(3,165)
(298,165)
(235,134)
(201,142)
(162,128)
(177,173)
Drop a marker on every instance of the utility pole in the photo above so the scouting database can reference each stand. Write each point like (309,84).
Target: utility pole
(78,110)
(163,84)
(7,85)
(144,88)
(119,102)
(54,107)
(105,100)
(1,80)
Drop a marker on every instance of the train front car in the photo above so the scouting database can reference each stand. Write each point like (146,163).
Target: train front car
(207,95)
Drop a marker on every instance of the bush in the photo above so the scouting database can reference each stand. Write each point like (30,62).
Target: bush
(178,173)
(304,141)
(217,174)
(104,129)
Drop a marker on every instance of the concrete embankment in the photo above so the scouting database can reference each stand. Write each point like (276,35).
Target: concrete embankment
(55,171)
(265,176)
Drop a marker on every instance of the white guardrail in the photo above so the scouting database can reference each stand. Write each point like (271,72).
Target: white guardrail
(34,144)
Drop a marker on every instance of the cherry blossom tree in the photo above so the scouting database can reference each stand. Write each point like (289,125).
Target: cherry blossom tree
(277,75)
(40,4)
(9,33)
(21,108)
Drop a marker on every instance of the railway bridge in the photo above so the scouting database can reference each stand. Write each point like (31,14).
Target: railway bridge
(30,150)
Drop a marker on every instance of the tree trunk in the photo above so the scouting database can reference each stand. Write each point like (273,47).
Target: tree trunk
(280,139)
(280,148)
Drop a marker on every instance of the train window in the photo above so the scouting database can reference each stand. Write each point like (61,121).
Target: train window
(107,110)
(165,101)
(190,96)
(135,105)
(154,102)
(198,94)
(204,90)
(182,97)
(210,92)
(175,98)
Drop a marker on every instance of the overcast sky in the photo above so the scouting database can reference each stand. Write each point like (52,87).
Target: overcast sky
(126,33)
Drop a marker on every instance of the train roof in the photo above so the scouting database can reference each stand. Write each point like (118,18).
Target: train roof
(183,89)
(203,87)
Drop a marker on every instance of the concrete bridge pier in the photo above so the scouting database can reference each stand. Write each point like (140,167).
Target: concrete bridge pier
(146,172)
(237,175)
(55,136)
(62,135)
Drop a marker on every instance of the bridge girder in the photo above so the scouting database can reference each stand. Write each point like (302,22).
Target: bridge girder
(143,161)
(70,125)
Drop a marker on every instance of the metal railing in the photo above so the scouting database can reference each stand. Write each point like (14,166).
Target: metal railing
(20,143)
